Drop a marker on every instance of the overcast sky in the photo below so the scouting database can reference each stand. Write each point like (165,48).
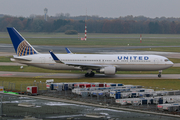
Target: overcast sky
(102,8)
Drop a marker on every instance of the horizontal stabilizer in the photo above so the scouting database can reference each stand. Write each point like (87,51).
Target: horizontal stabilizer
(23,59)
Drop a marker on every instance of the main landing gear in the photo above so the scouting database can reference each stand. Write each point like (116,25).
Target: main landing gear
(159,75)
(91,74)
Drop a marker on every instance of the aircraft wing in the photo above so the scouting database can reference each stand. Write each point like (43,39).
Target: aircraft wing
(82,65)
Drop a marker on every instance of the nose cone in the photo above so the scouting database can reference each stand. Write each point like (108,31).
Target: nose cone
(170,64)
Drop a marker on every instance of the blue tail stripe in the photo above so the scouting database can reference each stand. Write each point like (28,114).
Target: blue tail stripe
(15,38)
(21,46)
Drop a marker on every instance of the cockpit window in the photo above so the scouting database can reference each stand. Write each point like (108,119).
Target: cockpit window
(166,60)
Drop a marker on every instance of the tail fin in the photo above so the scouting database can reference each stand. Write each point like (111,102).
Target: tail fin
(21,46)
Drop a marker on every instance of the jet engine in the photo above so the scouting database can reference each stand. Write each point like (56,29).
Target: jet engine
(110,70)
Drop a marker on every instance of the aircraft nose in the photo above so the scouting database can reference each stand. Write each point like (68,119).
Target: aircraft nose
(171,63)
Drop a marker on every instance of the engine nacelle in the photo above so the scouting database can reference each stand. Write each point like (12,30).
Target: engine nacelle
(108,70)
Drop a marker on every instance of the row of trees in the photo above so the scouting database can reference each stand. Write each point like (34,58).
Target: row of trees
(117,25)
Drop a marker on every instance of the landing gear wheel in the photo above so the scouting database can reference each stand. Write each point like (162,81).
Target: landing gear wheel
(87,75)
(90,74)
(159,75)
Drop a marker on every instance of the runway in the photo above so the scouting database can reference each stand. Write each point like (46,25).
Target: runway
(72,75)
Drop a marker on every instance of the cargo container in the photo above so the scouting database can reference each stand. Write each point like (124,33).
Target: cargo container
(65,87)
(32,90)
(121,101)
(169,107)
(125,95)
(48,83)
(51,86)
(118,95)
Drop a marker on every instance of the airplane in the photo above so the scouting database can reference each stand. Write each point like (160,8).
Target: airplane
(101,63)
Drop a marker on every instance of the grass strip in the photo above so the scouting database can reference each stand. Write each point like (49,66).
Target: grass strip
(5,58)
(99,42)
(160,49)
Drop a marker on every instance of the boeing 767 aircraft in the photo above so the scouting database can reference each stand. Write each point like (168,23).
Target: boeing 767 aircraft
(101,63)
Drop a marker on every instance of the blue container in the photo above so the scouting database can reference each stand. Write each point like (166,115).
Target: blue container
(113,84)
(118,95)
(65,86)
(120,84)
(141,95)
(100,94)
(73,86)
(147,95)
(144,101)
(52,86)
(160,101)
(142,91)
(118,92)
(133,95)
(151,101)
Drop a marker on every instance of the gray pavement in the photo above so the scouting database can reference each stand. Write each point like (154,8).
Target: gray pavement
(8,48)
(72,75)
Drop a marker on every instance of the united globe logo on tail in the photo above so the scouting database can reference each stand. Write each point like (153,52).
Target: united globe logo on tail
(21,46)
(25,49)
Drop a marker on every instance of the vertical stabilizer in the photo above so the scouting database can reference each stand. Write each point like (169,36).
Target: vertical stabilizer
(21,46)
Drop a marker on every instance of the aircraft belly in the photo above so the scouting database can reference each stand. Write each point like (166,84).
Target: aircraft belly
(149,67)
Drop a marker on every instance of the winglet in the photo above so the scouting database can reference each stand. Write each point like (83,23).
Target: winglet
(55,57)
(68,51)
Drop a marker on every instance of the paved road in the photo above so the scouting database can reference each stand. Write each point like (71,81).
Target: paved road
(71,75)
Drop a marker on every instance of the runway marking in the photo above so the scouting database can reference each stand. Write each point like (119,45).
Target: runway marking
(6,74)
(45,75)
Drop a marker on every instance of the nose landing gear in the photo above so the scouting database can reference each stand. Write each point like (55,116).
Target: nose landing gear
(159,75)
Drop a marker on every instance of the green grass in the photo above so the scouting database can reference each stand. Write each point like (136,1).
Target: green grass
(161,49)
(97,42)
(43,34)
(174,60)
(147,83)
(5,58)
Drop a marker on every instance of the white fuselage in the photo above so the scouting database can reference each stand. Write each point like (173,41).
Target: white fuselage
(122,62)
